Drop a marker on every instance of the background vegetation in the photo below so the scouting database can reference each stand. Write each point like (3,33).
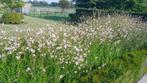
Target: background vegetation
(91,7)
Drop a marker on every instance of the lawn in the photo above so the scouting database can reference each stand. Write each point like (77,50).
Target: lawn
(30,22)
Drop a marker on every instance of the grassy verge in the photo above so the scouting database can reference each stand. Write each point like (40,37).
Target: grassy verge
(101,50)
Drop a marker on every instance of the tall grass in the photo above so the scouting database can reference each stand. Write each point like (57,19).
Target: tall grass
(89,52)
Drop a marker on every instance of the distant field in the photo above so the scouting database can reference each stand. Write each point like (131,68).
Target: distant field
(51,13)
(51,9)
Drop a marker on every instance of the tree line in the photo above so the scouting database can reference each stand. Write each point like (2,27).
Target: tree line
(82,6)
(52,4)
(130,6)
(14,4)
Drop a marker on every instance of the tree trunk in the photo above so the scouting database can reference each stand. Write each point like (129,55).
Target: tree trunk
(63,9)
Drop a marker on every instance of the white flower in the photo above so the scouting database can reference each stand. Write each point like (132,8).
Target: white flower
(65,46)
(61,76)
(28,69)
(18,57)
(58,48)
(53,35)
(77,63)
(40,46)
(32,50)
(34,55)
(104,65)
(16,29)
(77,49)
(75,72)
(43,69)
(65,34)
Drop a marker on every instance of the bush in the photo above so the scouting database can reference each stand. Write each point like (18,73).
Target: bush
(12,18)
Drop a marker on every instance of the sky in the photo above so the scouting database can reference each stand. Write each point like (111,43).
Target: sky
(49,1)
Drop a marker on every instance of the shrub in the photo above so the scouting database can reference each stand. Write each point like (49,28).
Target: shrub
(12,18)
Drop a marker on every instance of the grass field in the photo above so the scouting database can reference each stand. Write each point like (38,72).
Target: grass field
(30,22)
(109,49)
(51,13)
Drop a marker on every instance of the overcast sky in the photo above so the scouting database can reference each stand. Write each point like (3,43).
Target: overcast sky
(49,1)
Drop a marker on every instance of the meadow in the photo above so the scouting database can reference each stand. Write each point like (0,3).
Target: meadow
(109,49)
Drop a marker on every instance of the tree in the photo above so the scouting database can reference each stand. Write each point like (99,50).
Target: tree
(108,4)
(39,3)
(54,4)
(1,8)
(12,4)
(64,4)
(44,3)
(83,7)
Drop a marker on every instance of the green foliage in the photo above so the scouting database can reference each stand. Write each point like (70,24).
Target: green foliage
(109,4)
(131,43)
(2,8)
(39,3)
(90,7)
(122,69)
(12,4)
(12,18)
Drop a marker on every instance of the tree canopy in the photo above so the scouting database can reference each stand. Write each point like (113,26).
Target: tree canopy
(39,3)
(64,4)
(12,4)
(90,7)
(128,5)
